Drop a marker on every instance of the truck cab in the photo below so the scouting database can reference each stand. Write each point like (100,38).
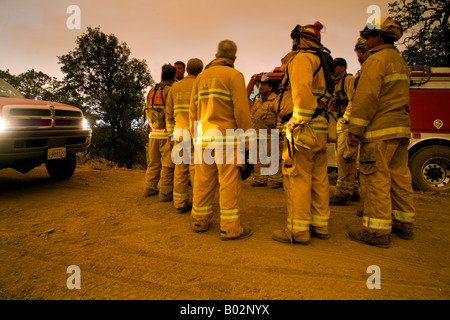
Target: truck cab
(34,132)
(429,149)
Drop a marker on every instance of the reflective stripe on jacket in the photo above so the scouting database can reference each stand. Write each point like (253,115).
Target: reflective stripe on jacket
(305,88)
(380,106)
(177,105)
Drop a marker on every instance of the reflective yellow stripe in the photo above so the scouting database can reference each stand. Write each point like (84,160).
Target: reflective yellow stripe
(359,122)
(386,132)
(180,108)
(180,196)
(229,214)
(202,211)
(303,112)
(213,93)
(319,221)
(159,135)
(381,224)
(395,77)
(346,115)
(321,93)
(298,225)
(403,216)
(319,127)
(227,140)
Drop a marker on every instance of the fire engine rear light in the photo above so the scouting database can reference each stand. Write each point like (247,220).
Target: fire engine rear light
(416,135)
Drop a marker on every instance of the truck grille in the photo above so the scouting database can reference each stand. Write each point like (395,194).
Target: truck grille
(42,117)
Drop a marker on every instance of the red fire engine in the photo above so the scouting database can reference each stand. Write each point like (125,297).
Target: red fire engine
(429,149)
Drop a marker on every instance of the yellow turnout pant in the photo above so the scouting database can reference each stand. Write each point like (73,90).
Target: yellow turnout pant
(183,173)
(307,190)
(347,155)
(386,186)
(206,178)
(159,168)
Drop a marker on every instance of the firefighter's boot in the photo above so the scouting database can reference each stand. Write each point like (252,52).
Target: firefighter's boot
(367,237)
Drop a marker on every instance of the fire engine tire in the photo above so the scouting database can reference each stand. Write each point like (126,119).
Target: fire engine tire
(430,169)
(62,169)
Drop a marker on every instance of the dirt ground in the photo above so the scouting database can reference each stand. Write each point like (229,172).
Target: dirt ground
(130,247)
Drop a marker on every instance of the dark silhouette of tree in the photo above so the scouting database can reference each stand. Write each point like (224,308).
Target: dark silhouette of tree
(111,84)
(427,32)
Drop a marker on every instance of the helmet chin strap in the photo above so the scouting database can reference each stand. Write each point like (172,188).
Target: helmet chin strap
(295,44)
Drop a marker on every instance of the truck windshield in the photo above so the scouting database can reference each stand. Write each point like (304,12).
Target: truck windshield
(6,90)
(254,94)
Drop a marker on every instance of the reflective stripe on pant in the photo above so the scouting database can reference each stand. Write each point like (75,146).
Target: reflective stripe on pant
(206,178)
(386,185)
(346,162)
(159,167)
(307,190)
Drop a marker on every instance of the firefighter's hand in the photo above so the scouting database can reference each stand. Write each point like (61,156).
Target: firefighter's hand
(353,140)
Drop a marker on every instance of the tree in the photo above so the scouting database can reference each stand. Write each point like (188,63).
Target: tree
(34,84)
(427,40)
(112,85)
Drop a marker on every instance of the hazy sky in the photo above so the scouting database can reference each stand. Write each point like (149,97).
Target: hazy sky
(34,32)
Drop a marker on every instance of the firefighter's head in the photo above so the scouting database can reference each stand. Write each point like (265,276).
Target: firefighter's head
(168,72)
(266,86)
(340,65)
(180,68)
(226,49)
(310,32)
(384,31)
(361,50)
(194,67)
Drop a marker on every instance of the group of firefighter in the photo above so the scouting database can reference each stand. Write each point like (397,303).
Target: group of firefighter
(367,116)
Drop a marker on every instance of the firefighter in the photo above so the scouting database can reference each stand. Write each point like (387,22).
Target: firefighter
(181,69)
(219,103)
(264,118)
(380,122)
(159,163)
(305,177)
(177,118)
(346,155)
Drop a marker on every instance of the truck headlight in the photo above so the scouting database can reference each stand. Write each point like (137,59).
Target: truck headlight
(85,124)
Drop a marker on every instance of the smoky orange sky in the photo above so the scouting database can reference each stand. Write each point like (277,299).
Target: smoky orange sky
(34,33)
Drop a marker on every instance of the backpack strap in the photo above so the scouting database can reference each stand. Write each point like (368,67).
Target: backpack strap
(285,83)
(159,87)
(319,53)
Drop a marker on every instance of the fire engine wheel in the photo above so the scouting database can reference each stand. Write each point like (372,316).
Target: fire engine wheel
(430,169)
(62,169)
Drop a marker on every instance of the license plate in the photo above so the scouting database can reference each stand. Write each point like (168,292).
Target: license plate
(56,153)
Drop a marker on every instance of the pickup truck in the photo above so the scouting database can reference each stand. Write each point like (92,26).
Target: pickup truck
(34,132)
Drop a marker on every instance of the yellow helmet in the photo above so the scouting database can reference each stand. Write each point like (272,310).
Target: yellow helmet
(387,26)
